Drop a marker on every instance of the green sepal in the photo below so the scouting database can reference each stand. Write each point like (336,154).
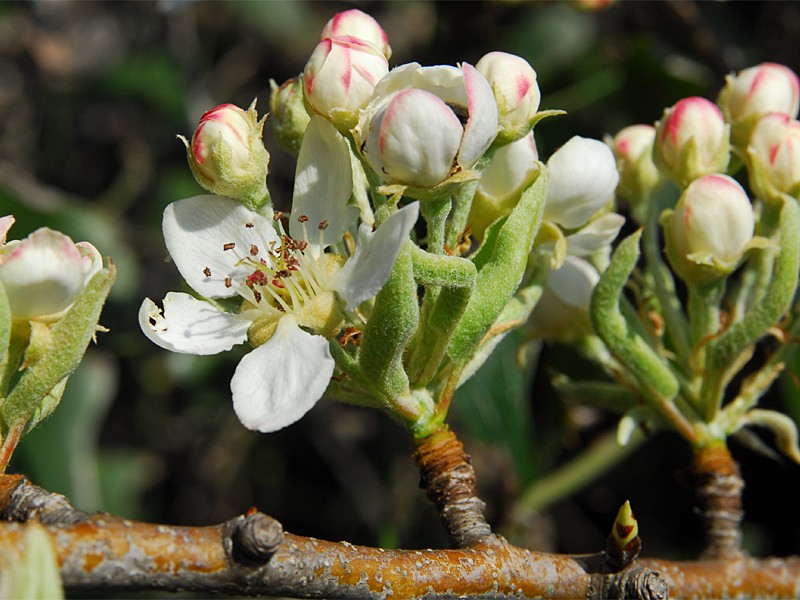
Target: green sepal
(394,318)
(70,337)
(501,262)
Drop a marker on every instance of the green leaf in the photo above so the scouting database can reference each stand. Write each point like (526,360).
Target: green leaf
(70,337)
(501,263)
(393,321)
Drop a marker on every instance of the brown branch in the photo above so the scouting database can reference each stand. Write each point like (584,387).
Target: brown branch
(718,488)
(103,551)
(447,476)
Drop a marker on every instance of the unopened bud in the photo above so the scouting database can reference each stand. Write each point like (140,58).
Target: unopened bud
(773,157)
(638,175)
(340,76)
(516,91)
(710,229)
(227,155)
(358,24)
(755,92)
(288,115)
(692,140)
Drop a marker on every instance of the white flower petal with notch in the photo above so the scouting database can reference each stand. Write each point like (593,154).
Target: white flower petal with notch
(368,269)
(281,380)
(191,326)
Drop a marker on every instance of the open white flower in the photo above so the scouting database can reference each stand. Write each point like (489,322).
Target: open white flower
(294,294)
(44,273)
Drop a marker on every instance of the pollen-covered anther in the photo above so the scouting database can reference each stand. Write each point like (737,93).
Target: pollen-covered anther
(302,219)
(249,225)
(278,283)
(207,272)
(323,225)
(229,246)
(257,296)
(228,282)
(277,216)
(256,278)
(253,249)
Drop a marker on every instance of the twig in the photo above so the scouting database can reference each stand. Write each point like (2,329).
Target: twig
(102,551)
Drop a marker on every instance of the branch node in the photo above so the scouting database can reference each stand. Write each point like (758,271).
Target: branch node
(255,538)
(637,582)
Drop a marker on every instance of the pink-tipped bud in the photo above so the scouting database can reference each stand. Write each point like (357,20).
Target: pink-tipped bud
(227,156)
(638,175)
(340,76)
(710,228)
(692,140)
(516,91)
(773,157)
(755,92)
(357,24)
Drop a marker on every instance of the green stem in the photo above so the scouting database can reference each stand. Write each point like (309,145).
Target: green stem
(459,216)
(435,213)
(674,320)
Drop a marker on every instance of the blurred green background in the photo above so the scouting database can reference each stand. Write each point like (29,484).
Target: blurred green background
(92,95)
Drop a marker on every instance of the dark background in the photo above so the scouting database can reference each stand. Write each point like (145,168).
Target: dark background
(92,95)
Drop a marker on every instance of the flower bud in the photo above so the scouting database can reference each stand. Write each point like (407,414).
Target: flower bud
(288,115)
(511,170)
(581,178)
(638,175)
(44,273)
(340,77)
(773,157)
(516,91)
(357,24)
(755,92)
(426,124)
(562,313)
(692,140)
(227,156)
(710,229)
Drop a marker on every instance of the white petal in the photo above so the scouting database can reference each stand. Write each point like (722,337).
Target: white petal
(281,380)
(574,282)
(196,231)
(366,272)
(581,176)
(597,234)
(481,127)
(322,185)
(191,326)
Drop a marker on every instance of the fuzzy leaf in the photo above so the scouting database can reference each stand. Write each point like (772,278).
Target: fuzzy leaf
(501,263)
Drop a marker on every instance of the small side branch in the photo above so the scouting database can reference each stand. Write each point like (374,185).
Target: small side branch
(447,476)
(718,488)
